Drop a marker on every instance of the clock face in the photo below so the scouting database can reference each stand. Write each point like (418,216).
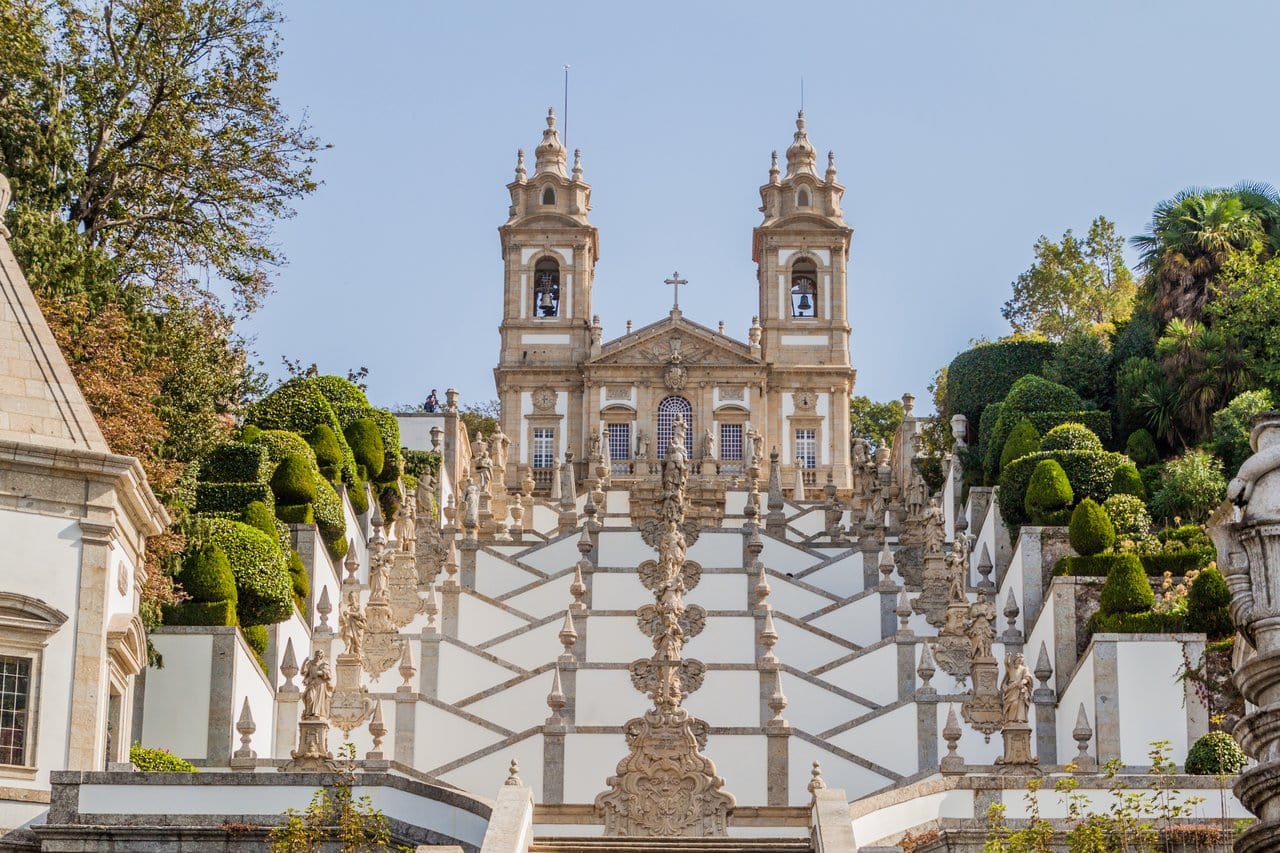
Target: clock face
(805,399)
(544,398)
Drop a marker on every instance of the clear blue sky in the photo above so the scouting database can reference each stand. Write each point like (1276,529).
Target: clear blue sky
(962,130)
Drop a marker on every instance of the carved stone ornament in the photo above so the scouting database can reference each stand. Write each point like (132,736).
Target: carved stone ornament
(805,400)
(351,704)
(544,400)
(983,709)
(733,394)
(122,579)
(690,574)
(675,377)
(382,642)
(617,392)
(402,590)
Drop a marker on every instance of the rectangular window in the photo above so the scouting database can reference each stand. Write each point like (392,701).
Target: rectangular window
(15,709)
(731,442)
(807,448)
(619,442)
(544,447)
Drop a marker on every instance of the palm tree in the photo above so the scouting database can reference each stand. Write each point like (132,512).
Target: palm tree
(1192,234)
(1203,369)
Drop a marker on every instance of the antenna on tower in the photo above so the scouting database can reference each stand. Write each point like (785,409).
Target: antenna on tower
(802,94)
(565,116)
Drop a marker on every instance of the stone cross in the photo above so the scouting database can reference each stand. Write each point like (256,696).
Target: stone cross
(675,281)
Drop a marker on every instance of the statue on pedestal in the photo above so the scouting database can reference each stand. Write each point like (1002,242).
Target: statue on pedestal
(352,624)
(1016,689)
(317,686)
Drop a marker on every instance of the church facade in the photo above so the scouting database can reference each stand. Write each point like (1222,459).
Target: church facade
(564,390)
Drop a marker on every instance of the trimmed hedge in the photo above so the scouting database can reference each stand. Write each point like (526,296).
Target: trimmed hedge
(257,639)
(359,497)
(299,406)
(366,444)
(1022,440)
(1096,566)
(1141,448)
(1099,423)
(264,592)
(330,518)
(294,480)
(1070,436)
(296,513)
(983,375)
(1127,481)
(235,462)
(257,515)
(1127,589)
(1215,754)
(1090,531)
(153,760)
(221,613)
(328,452)
(301,583)
(281,443)
(348,401)
(1148,622)
(1208,601)
(231,497)
(1033,393)
(1090,474)
(206,576)
(1174,562)
(1048,494)
(389,429)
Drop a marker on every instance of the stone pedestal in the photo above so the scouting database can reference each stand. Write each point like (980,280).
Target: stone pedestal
(312,754)
(1017,758)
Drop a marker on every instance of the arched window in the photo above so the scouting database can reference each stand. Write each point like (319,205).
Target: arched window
(546,288)
(548,196)
(804,289)
(802,198)
(668,410)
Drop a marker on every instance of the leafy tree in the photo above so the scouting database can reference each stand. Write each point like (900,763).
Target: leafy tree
(1246,310)
(1192,236)
(876,422)
(1073,284)
(1203,369)
(1232,425)
(1082,362)
(481,418)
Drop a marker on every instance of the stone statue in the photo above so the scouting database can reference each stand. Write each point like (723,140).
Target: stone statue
(642,445)
(1016,689)
(377,578)
(352,624)
(935,532)
(916,494)
(317,686)
(708,444)
(483,465)
(593,444)
(471,506)
(861,452)
(407,525)
(498,444)
(568,481)
(756,441)
(982,632)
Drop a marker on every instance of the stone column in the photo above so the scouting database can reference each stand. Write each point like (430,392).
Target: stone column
(429,659)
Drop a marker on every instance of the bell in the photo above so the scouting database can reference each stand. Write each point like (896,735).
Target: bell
(805,304)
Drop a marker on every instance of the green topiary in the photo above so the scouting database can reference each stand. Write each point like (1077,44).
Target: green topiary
(1127,589)
(206,575)
(263,590)
(280,443)
(366,445)
(1099,423)
(301,582)
(1022,440)
(1208,603)
(389,428)
(1127,481)
(1071,436)
(250,433)
(1034,393)
(221,613)
(299,406)
(1090,474)
(153,760)
(324,441)
(1141,448)
(231,497)
(294,480)
(984,374)
(1097,566)
(257,515)
(1215,754)
(348,401)
(1091,531)
(296,513)
(359,497)
(1048,495)
(328,513)
(1146,622)
(235,462)
(1130,518)
(257,639)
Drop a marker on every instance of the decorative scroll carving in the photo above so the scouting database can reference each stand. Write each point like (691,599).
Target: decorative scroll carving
(729,395)
(617,392)
(665,786)
(402,590)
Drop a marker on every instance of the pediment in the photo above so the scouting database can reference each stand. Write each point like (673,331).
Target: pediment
(675,341)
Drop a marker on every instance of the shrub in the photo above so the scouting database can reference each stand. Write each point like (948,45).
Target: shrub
(1090,474)
(221,613)
(390,499)
(1233,423)
(328,512)
(206,575)
(257,515)
(1187,535)
(1208,601)
(1033,393)
(296,513)
(1130,519)
(1096,566)
(1091,531)
(389,429)
(324,441)
(1022,440)
(1191,486)
(281,443)
(257,639)
(1215,754)
(1175,562)
(1127,481)
(231,497)
(348,401)
(1141,448)
(359,497)
(250,433)
(154,760)
(1127,589)
(1071,436)
(984,374)
(235,462)
(1082,362)
(366,445)
(264,593)
(1048,494)
(299,406)
(294,480)
(1147,622)
(301,582)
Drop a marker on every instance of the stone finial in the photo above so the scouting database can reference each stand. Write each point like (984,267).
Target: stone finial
(578,589)
(925,670)
(831,167)
(407,669)
(952,762)
(577,164)
(762,588)
(1011,611)
(755,545)
(351,564)
(521,174)
(549,156)
(816,782)
(720,329)
(1043,670)
(378,729)
(908,405)
(289,667)
(801,156)
(324,607)
(1083,733)
(556,700)
(451,566)
(451,399)
(887,567)
(513,774)
(584,542)
(985,568)
(431,608)
(903,612)
(773,167)
(246,727)
(768,637)
(568,636)
(777,704)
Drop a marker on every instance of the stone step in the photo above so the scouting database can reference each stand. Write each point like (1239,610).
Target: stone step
(596,844)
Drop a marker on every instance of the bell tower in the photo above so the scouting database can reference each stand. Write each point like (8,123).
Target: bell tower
(801,250)
(549,252)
